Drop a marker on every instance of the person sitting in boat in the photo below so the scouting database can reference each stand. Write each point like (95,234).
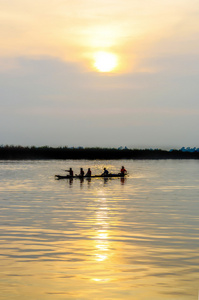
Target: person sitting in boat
(123,171)
(81,174)
(70,172)
(105,173)
(88,174)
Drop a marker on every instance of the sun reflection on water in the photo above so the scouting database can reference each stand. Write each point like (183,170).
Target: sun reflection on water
(100,280)
(102,252)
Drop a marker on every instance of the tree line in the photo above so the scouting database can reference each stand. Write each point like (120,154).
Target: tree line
(45,152)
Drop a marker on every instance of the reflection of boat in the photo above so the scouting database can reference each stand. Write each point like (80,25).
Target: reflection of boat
(93,176)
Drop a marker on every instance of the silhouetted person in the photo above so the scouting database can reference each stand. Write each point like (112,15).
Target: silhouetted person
(81,174)
(88,174)
(123,171)
(70,172)
(105,173)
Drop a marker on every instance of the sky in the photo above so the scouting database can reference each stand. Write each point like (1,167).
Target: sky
(99,73)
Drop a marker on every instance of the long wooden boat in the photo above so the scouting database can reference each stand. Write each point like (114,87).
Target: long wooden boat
(93,176)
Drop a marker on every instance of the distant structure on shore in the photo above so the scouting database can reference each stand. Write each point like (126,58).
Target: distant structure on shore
(188,149)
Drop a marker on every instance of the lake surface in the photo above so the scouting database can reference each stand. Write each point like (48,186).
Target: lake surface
(135,238)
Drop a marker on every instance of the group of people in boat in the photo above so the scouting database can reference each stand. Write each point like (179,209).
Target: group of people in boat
(88,173)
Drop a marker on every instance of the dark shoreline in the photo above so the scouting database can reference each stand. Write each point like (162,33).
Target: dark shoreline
(37,153)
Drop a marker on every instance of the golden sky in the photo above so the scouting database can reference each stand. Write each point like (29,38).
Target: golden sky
(126,73)
(76,30)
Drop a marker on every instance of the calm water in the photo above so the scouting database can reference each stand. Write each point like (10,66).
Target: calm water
(132,239)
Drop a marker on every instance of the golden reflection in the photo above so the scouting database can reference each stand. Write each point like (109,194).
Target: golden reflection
(71,182)
(101,279)
(88,180)
(102,246)
(122,180)
(102,243)
(81,182)
(103,235)
(100,257)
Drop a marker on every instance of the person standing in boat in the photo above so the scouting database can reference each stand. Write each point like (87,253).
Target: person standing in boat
(88,174)
(70,172)
(105,173)
(81,174)
(123,171)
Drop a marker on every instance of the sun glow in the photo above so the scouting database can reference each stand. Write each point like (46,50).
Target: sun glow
(105,61)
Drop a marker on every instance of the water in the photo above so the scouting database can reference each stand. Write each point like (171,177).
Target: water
(135,239)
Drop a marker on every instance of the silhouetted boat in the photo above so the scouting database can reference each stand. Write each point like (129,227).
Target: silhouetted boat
(93,176)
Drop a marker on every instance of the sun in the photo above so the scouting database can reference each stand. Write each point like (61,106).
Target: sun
(105,61)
